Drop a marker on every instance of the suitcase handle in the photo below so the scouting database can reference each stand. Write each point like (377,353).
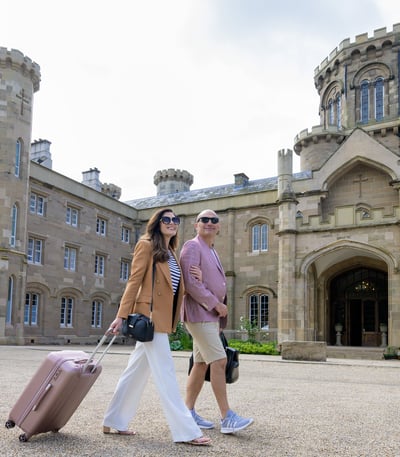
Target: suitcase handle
(96,350)
(39,400)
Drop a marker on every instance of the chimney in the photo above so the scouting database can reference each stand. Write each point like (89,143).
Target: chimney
(40,153)
(91,179)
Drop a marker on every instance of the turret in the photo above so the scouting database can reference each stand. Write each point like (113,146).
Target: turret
(172,181)
(358,85)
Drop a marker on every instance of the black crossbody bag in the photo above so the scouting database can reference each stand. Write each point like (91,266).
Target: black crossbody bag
(137,325)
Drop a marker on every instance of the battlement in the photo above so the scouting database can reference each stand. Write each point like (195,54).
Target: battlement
(315,131)
(173,174)
(362,39)
(18,61)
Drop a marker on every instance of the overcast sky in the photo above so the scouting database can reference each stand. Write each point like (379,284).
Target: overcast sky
(214,87)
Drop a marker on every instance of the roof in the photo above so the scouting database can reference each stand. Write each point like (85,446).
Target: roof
(209,193)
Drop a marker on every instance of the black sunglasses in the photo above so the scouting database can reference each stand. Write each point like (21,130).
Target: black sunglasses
(205,220)
(167,220)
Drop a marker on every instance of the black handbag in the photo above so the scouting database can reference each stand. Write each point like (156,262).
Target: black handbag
(232,363)
(139,326)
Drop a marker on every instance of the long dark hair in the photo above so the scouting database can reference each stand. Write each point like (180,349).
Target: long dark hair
(153,233)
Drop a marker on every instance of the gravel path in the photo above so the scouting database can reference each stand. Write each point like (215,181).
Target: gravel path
(337,408)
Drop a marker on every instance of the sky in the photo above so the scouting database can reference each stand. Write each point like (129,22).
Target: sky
(213,87)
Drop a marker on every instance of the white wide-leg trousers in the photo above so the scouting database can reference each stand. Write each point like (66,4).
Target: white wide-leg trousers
(151,357)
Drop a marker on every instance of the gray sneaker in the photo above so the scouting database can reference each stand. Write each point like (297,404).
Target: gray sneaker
(233,423)
(202,423)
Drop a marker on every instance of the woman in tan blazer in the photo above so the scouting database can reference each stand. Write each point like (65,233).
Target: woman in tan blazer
(158,244)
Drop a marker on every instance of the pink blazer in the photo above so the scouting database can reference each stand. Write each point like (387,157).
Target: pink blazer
(201,296)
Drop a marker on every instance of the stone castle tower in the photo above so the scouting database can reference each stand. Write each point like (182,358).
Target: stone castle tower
(358,85)
(19,80)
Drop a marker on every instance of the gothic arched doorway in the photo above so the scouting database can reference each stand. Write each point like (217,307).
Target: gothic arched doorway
(359,302)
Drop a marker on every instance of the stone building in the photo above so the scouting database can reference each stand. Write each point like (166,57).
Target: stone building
(308,256)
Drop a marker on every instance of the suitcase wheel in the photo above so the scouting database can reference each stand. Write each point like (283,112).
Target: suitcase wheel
(23,438)
(55,430)
(10,424)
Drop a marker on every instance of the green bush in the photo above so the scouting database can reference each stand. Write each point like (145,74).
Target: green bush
(254,347)
(180,340)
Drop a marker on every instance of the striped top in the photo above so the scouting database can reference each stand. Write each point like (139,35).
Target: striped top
(175,272)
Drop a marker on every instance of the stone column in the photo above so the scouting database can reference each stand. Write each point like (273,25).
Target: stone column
(287,249)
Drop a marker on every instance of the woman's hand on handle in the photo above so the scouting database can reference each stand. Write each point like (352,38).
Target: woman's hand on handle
(115,326)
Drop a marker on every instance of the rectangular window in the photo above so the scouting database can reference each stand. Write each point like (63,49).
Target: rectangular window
(264,318)
(14,223)
(10,297)
(379,100)
(101,226)
(253,311)
(264,237)
(97,311)
(124,270)
(36,204)
(364,102)
(72,216)
(35,249)
(17,158)
(339,112)
(67,306)
(125,235)
(70,258)
(99,263)
(258,311)
(256,238)
(31,309)
(259,237)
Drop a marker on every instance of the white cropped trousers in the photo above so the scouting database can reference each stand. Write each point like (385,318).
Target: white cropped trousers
(151,357)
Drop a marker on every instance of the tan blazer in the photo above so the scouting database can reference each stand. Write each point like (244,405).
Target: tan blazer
(138,291)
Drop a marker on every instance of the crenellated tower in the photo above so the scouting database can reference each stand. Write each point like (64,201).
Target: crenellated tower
(19,80)
(359,86)
(172,181)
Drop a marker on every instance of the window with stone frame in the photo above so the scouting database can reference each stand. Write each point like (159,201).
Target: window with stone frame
(101,226)
(259,237)
(258,310)
(31,309)
(10,300)
(97,313)
(72,216)
(70,258)
(66,311)
(17,165)
(37,204)
(14,225)
(35,250)
(99,264)
(125,234)
(124,270)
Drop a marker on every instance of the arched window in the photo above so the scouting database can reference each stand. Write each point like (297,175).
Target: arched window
(364,101)
(259,240)
(97,313)
(31,309)
(10,296)
(339,111)
(18,147)
(67,307)
(258,310)
(379,93)
(331,112)
(14,224)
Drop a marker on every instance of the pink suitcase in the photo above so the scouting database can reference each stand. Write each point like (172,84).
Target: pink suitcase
(55,391)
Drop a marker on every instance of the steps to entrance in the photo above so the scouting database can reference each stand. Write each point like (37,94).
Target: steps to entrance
(354,352)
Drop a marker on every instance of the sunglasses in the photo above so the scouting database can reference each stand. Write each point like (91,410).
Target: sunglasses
(167,220)
(205,220)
